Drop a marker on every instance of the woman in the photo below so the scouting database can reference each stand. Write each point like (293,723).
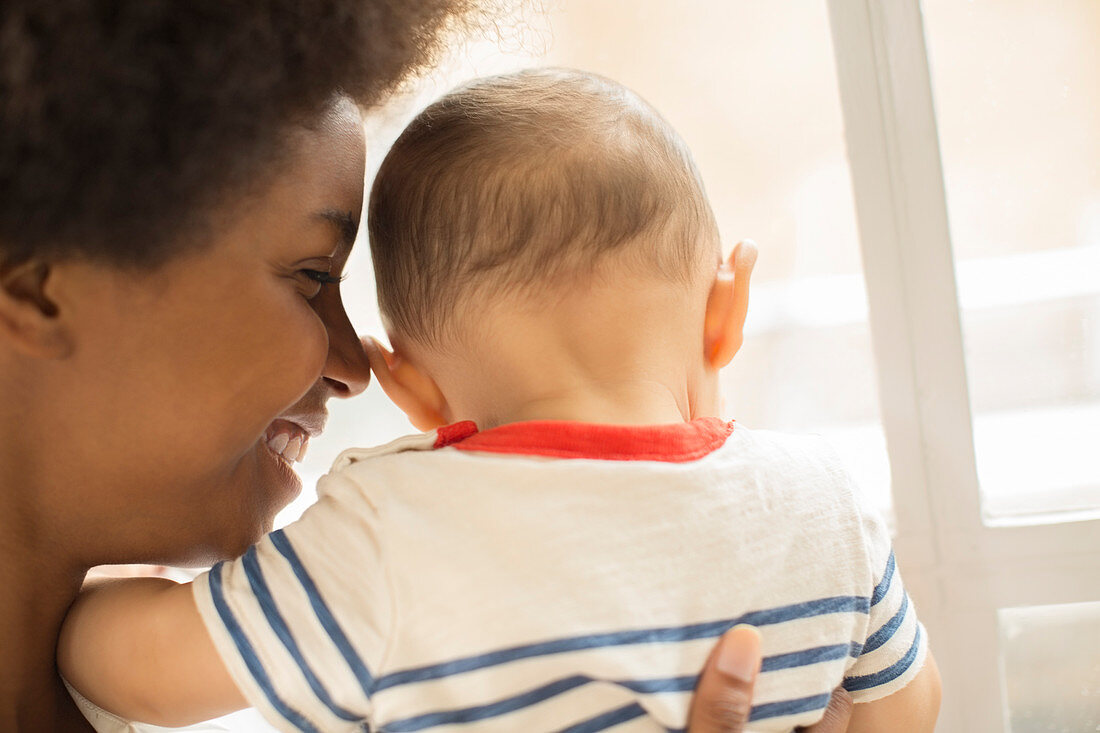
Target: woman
(180,186)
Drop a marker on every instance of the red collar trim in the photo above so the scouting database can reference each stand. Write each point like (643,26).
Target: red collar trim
(676,443)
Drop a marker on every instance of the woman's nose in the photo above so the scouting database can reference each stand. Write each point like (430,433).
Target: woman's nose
(348,377)
(347,369)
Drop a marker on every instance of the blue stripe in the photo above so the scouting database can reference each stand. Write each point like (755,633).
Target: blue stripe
(856,650)
(685,683)
(887,630)
(789,707)
(780,708)
(607,720)
(884,585)
(758,712)
(248,654)
(489,710)
(867,681)
(324,615)
(805,657)
(659,635)
(278,624)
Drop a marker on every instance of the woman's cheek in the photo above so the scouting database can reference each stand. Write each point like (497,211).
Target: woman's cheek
(276,356)
(308,348)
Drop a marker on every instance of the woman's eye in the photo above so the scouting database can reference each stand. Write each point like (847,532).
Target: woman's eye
(321,278)
(325,278)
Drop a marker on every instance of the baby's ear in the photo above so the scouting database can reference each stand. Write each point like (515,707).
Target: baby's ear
(727,306)
(413,391)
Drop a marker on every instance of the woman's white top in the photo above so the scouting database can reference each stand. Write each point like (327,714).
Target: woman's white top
(105,722)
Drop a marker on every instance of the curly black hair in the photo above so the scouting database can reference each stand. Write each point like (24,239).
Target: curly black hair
(123,122)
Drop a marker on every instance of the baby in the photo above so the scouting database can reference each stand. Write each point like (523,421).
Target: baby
(549,271)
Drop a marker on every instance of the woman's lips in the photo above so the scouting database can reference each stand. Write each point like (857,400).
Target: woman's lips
(287,440)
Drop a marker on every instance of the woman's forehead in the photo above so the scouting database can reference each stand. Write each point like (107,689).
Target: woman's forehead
(332,154)
(320,175)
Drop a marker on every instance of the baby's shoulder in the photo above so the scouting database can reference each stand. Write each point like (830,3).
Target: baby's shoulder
(373,472)
(405,444)
(799,474)
(787,455)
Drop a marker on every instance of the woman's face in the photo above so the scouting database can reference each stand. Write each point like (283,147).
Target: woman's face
(197,383)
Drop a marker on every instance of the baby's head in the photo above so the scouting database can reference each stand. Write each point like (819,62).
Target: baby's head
(539,234)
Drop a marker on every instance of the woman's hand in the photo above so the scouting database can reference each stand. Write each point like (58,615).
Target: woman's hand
(723,699)
(836,715)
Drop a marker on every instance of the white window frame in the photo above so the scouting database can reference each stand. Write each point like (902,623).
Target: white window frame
(959,569)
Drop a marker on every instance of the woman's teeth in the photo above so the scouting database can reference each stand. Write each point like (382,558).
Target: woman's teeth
(290,449)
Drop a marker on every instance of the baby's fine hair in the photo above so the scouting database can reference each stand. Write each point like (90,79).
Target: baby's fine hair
(521,182)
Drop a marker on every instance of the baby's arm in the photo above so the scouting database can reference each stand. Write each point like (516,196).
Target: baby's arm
(912,709)
(138,648)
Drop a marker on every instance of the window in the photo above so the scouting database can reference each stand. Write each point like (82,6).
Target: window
(1017,91)
(963,565)
(1049,667)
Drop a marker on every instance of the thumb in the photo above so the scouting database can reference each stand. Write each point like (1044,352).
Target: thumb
(723,697)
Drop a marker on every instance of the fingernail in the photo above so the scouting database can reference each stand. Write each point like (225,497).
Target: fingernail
(739,656)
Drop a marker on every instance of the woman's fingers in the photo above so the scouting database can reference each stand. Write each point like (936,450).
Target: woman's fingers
(836,715)
(723,698)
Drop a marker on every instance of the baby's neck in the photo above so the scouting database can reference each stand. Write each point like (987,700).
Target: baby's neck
(629,402)
(621,350)
(550,381)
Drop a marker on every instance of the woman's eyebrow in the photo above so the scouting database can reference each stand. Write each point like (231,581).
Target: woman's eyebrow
(344,220)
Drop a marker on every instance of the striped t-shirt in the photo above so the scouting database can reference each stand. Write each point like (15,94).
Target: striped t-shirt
(551,576)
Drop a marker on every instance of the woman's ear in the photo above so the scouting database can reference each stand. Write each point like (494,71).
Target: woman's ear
(727,306)
(28,317)
(413,391)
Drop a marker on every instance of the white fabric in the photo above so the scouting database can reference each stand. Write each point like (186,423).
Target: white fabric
(620,573)
(105,722)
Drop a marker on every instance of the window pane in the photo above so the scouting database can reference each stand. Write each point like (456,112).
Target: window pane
(1017,88)
(1050,667)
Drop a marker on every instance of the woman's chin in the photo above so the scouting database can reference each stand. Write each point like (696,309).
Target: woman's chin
(262,484)
(285,484)
(233,513)
(278,484)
